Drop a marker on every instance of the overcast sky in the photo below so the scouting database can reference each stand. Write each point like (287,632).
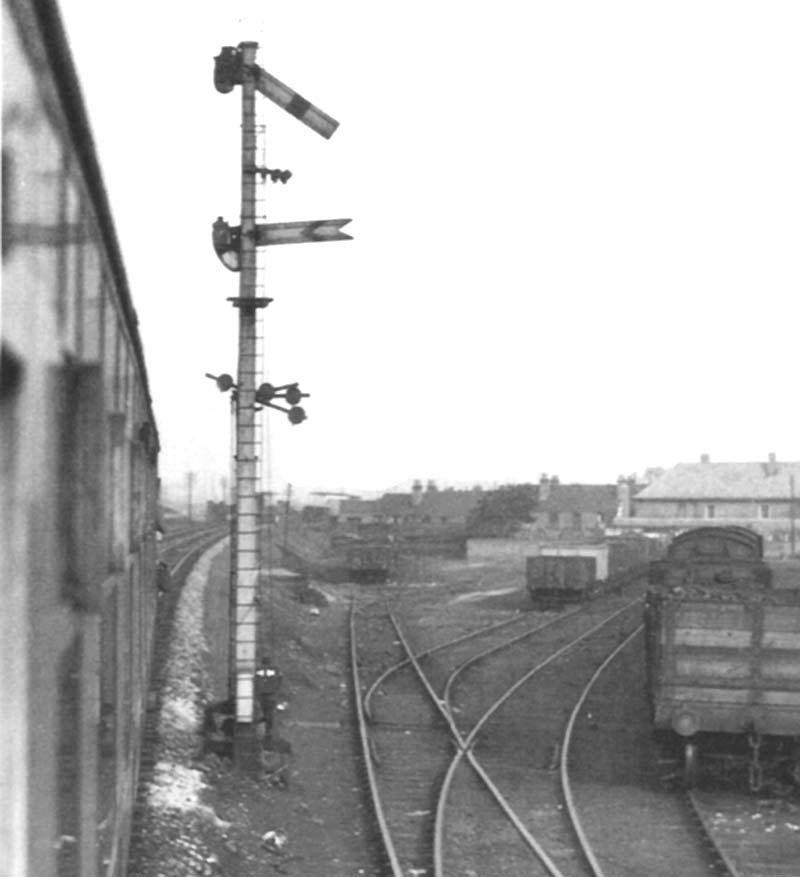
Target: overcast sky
(576,230)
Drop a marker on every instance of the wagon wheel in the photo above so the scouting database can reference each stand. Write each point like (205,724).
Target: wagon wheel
(691,756)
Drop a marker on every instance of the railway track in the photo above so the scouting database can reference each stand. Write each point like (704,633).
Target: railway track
(176,549)
(473,783)
(180,553)
(412,737)
(631,818)
(750,837)
(430,764)
(515,742)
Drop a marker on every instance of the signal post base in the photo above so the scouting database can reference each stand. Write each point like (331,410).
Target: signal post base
(246,748)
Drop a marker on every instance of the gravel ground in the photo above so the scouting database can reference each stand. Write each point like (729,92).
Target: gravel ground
(301,814)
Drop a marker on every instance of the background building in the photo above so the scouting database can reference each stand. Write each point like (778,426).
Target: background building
(429,506)
(759,495)
(575,510)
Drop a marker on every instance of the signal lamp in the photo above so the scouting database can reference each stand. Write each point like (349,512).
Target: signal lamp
(224,382)
(277,176)
(226,240)
(227,69)
(267,394)
(293,394)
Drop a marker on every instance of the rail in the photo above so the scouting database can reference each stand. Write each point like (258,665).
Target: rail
(368,754)
(463,742)
(745,844)
(466,637)
(708,832)
(159,648)
(466,751)
(566,786)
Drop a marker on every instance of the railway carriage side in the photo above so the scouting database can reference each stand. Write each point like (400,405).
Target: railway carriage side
(78,463)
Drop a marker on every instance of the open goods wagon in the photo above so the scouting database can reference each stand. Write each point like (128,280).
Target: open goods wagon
(564,573)
(370,563)
(723,652)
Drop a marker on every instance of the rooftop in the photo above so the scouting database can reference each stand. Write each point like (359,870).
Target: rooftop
(600,498)
(707,480)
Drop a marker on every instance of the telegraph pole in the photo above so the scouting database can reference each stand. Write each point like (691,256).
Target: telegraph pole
(286,518)
(189,490)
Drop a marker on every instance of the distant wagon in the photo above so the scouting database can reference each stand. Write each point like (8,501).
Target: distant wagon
(723,651)
(370,563)
(564,573)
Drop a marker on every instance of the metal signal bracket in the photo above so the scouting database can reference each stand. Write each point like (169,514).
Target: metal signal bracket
(249,301)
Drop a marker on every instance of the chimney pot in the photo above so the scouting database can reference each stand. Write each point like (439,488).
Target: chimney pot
(544,488)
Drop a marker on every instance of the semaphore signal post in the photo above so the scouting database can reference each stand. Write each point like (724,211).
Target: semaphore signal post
(236,247)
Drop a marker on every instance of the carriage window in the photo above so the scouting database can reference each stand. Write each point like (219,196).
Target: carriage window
(78,407)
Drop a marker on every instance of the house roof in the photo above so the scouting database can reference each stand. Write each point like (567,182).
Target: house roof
(437,503)
(599,498)
(724,481)
(449,503)
(357,507)
(394,504)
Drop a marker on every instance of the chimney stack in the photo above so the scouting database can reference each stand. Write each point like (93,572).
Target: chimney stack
(704,458)
(623,497)
(544,487)
(772,465)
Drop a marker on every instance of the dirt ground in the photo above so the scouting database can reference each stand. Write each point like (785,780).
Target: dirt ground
(301,813)
(308,795)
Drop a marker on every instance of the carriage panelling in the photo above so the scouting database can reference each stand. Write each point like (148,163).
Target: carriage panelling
(78,461)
